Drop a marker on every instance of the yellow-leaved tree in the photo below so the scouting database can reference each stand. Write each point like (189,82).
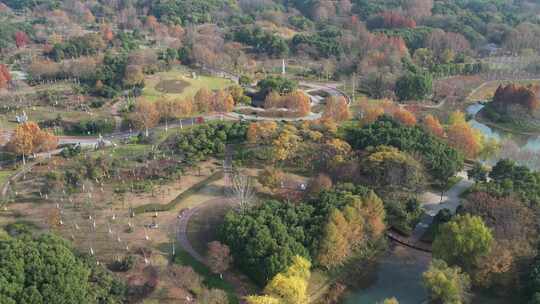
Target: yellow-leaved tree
(288,287)
(286,144)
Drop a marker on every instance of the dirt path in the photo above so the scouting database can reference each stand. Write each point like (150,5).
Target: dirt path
(22,171)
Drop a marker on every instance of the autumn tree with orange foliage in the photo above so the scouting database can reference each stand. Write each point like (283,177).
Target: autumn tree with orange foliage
(464,138)
(361,219)
(433,126)
(513,94)
(383,42)
(299,102)
(145,115)
(167,108)
(151,23)
(176,31)
(202,100)
(405,117)
(296,101)
(5,76)
(372,111)
(184,107)
(222,101)
(319,183)
(28,138)
(261,132)
(336,108)
(371,114)
(107,33)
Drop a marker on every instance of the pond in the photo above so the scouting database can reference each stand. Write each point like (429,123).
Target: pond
(525,149)
(399,274)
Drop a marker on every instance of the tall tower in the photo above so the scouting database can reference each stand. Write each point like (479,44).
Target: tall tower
(283,67)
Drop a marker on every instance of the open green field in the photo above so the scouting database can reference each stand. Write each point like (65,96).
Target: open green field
(178,83)
(42,113)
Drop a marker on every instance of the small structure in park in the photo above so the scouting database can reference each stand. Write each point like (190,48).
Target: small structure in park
(23,118)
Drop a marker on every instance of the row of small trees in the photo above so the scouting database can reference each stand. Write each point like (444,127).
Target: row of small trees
(147,114)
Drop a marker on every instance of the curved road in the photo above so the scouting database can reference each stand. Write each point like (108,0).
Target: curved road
(182,233)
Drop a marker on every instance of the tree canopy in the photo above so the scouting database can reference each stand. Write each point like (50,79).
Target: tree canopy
(45,270)
(263,240)
(446,284)
(463,241)
(440,160)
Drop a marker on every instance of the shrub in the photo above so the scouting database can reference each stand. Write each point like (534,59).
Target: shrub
(123,265)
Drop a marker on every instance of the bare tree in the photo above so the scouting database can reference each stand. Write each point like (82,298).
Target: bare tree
(242,190)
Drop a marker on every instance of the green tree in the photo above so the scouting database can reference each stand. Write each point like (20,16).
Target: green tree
(245,81)
(447,285)
(264,240)
(277,84)
(441,160)
(392,168)
(478,172)
(45,270)
(463,241)
(414,86)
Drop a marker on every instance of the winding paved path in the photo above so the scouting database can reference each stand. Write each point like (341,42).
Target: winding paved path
(182,233)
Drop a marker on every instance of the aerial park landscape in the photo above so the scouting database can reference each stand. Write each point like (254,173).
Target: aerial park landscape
(269,151)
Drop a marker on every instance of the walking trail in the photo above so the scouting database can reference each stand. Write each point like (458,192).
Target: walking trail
(433,203)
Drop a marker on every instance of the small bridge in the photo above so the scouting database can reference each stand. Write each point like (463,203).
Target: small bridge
(408,242)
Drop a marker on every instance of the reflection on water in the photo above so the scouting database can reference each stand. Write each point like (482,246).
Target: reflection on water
(529,142)
(525,149)
(399,274)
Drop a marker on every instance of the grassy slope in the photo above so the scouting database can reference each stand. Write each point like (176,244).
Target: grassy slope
(212,83)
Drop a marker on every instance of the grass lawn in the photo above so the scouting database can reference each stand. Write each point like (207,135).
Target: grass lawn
(177,84)
(196,194)
(203,226)
(42,113)
(130,150)
(4,175)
